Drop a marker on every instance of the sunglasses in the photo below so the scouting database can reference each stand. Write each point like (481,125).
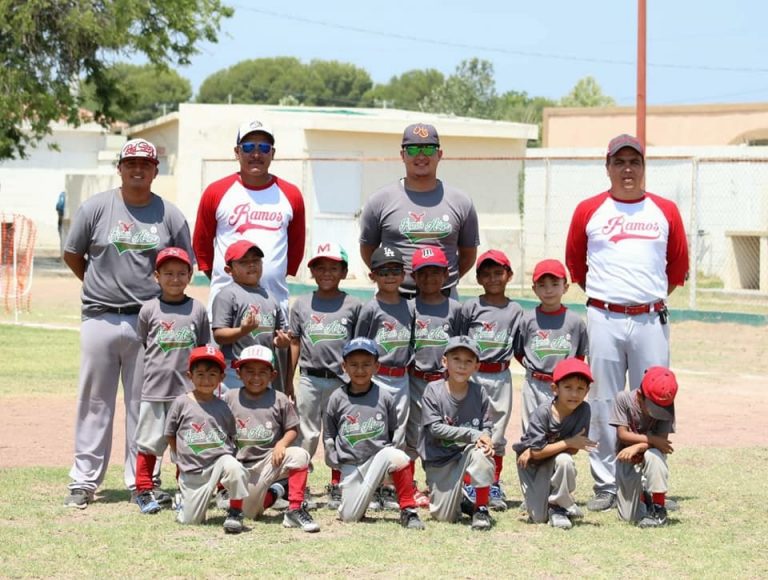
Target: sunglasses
(388,271)
(263,148)
(414,150)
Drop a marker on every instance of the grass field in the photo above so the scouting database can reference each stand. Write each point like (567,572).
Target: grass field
(720,531)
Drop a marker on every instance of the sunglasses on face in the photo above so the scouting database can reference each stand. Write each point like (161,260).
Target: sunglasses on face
(389,271)
(263,148)
(414,150)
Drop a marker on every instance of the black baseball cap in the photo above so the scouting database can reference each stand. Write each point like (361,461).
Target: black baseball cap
(386,255)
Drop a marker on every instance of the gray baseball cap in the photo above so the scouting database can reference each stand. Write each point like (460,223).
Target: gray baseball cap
(420,134)
(462,342)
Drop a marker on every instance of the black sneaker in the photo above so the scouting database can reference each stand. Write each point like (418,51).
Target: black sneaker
(300,518)
(558,518)
(222,499)
(602,501)
(670,504)
(409,519)
(162,497)
(334,496)
(78,498)
(309,502)
(481,519)
(234,522)
(388,498)
(655,517)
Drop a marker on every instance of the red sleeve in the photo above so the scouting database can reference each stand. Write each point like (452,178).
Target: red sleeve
(297,227)
(205,224)
(677,245)
(576,243)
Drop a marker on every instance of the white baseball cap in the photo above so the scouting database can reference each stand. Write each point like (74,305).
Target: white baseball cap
(139,148)
(254,127)
(257,353)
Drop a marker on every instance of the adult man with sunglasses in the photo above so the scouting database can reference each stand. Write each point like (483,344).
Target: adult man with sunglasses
(421,210)
(255,205)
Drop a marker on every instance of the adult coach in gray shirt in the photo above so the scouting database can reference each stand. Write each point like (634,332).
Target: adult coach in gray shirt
(419,209)
(112,246)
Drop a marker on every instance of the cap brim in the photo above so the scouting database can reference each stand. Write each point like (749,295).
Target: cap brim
(365,350)
(236,364)
(658,412)
(214,360)
(332,258)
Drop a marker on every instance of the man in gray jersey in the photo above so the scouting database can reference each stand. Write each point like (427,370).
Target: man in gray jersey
(421,210)
(112,247)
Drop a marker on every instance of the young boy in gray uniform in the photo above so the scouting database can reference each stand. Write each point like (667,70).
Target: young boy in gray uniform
(169,327)
(201,431)
(455,442)
(644,418)
(556,431)
(360,422)
(437,318)
(244,313)
(267,425)
(493,321)
(548,334)
(321,324)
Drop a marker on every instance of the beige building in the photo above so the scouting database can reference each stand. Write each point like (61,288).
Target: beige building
(666,126)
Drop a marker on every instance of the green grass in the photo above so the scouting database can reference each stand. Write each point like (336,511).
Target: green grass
(720,531)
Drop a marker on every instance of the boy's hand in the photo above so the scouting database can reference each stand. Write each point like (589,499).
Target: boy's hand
(661,443)
(632,454)
(248,323)
(283,338)
(278,454)
(485,444)
(524,458)
(581,441)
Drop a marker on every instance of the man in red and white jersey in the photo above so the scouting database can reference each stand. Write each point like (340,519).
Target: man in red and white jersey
(254,205)
(628,250)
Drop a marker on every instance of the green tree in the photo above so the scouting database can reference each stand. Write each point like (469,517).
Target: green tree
(469,92)
(587,93)
(519,107)
(141,92)
(48,46)
(407,90)
(336,83)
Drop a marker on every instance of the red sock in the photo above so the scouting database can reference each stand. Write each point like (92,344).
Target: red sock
(145,465)
(657,498)
(236,504)
(335,477)
(481,496)
(297,483)
(269,499)
(219,487)
(404,487)
(499,461)
(467,480)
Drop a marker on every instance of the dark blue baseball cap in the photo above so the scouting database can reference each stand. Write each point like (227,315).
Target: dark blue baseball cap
(360,344)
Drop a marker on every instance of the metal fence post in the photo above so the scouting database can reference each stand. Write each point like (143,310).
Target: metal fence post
(694,235)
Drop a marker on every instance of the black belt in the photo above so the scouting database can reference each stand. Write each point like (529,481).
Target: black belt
(321,373)
(122,309)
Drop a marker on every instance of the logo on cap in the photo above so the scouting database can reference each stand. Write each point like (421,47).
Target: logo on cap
(421,131)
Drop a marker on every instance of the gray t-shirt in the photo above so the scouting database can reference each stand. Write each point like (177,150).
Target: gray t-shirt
(544,429)
(546,338)
(204,431)
(391,326)
(494,328)
(120,243)
(448,425)
(230,306)
(359,425)
(627,413)
(445,217)
(435,324)
(260,422)
(323,326)
(169,331)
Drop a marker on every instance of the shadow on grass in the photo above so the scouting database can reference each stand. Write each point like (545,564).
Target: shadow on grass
(113,496)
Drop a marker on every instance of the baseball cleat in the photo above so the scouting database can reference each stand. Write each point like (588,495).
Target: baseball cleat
(300,518)
(558,518)
(78,498)
(334,496)
(147,502)
(655,517)
(409,519)
(481,519)
(497,501)
(602,501)
(234,522)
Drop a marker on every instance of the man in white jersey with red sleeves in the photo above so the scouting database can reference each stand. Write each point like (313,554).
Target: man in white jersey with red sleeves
(628,250)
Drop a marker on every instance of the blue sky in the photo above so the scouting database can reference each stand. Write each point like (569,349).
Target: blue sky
(698,52)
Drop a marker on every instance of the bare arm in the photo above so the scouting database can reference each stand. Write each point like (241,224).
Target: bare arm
(628,438)
(278,451)
(172,444)
(576,443)
(76,263)
(467,257)
(366,252)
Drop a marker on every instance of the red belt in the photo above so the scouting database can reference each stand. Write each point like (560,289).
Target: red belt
(541,376)
(632,310)
(491,367)
(391,371)
(427,375)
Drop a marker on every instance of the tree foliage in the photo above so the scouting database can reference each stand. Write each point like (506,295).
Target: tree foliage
(288,80)
(587,93)
(48,46)
(141,92)
(469,92)
(407,90)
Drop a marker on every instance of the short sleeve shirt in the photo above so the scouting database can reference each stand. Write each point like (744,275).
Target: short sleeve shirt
(391,327)
(544,428)
(627,413)
(434,325)
(494,328)
(546,338)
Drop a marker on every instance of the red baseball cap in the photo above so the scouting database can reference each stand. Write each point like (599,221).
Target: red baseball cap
(239,249)
(428,256)
(495,256)
(624,140)
(659,386)
(571,366)
(210,353)
(172,254)
(552,267)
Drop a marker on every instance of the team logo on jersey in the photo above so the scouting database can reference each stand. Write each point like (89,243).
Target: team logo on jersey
(319,331)
(256,436)
(265,321)
(543,344)
(489,337)
(416,227)
(619,228)
(244,218)
(354,430)
(169,338)
(126,238)
(392,335)
(426,336)
(473,424)
(200,437)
